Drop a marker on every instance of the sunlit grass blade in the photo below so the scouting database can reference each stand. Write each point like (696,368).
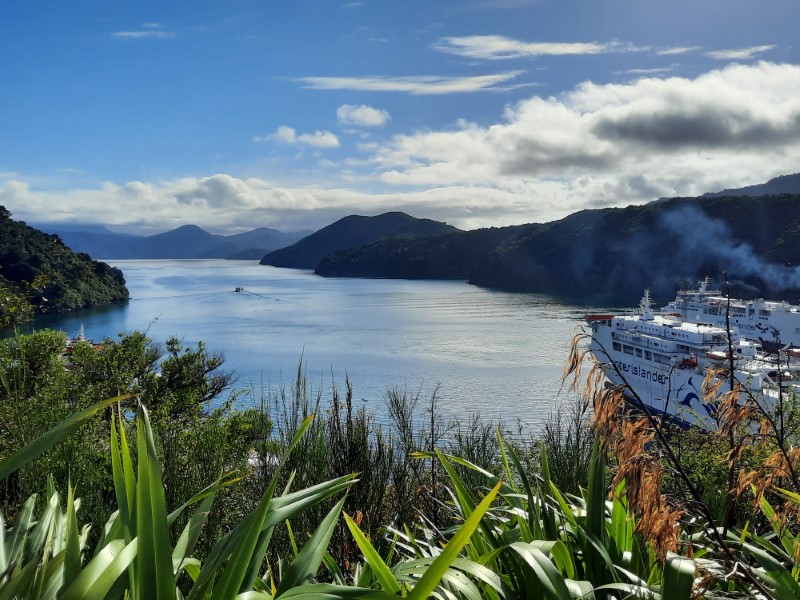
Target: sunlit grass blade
(595,517)
(281,508)
(72,551)
(120,483)
(382,571)
(98,577)
(546,574)
(561,555)
(21,582)
(52,575)
(306,564)
(773,573)
(244,544)
(209,490)
(678,578)
(493,587)
(191,532)
(782,531)
(466,501)
(439,567)
(22,526)
(154,576)
(50,438)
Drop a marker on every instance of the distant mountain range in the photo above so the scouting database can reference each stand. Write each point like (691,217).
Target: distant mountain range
(188,241)
(603,255)
(785,184)
(351,232)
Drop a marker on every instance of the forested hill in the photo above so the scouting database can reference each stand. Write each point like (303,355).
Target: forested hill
(351,232)
(70,280)
(609,254)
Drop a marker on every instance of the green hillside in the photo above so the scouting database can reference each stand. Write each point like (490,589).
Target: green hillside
(53,277)
(608,254)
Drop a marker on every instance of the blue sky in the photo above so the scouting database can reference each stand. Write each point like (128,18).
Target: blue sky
(234,114)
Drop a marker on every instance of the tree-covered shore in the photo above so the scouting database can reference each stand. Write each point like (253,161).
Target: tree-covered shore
(38,271)
(305,496)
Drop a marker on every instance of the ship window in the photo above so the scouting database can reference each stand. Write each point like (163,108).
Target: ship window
(617,346)
(660,358)
(627,349)
(638,352)
(763,313)
(648,355)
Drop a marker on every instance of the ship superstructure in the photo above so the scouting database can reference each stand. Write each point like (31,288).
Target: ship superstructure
(771,322)
(664,360)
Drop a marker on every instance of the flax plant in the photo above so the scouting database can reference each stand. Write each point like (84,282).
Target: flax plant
(741,563)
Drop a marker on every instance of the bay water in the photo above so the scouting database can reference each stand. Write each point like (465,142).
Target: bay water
(495,354)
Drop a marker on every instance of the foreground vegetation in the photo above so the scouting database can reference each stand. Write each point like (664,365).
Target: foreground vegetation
(319,501)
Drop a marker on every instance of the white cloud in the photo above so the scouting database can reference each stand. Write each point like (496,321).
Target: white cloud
(682,136)
(418,85)
(494,47)
(675,50)
(148,30)
(739,53)
(597,145)
(651,71)
(287,135)
(361,115)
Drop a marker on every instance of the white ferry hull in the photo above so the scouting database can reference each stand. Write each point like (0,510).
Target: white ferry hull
(668,391)
(662,362)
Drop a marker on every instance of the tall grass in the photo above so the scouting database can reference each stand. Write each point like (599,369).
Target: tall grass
(331,504)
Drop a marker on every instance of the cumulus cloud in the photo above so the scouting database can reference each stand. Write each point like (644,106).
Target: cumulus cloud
(739,53)
(287,135)
(685,134)
(419,85)
(494,47)
(597,145)
(361,115)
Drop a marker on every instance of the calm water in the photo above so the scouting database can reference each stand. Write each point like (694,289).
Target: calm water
(493,353)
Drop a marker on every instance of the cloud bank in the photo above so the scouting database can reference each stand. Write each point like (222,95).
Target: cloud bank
(597,145)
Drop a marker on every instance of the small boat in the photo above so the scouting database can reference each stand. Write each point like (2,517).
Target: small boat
(718,356)
(69,346)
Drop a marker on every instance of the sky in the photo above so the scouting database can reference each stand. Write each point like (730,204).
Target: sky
(147,115)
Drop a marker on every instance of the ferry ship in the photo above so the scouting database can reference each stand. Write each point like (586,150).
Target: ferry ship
(774,323)
(664,360)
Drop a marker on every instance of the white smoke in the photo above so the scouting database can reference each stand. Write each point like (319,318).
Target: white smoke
(700,238)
